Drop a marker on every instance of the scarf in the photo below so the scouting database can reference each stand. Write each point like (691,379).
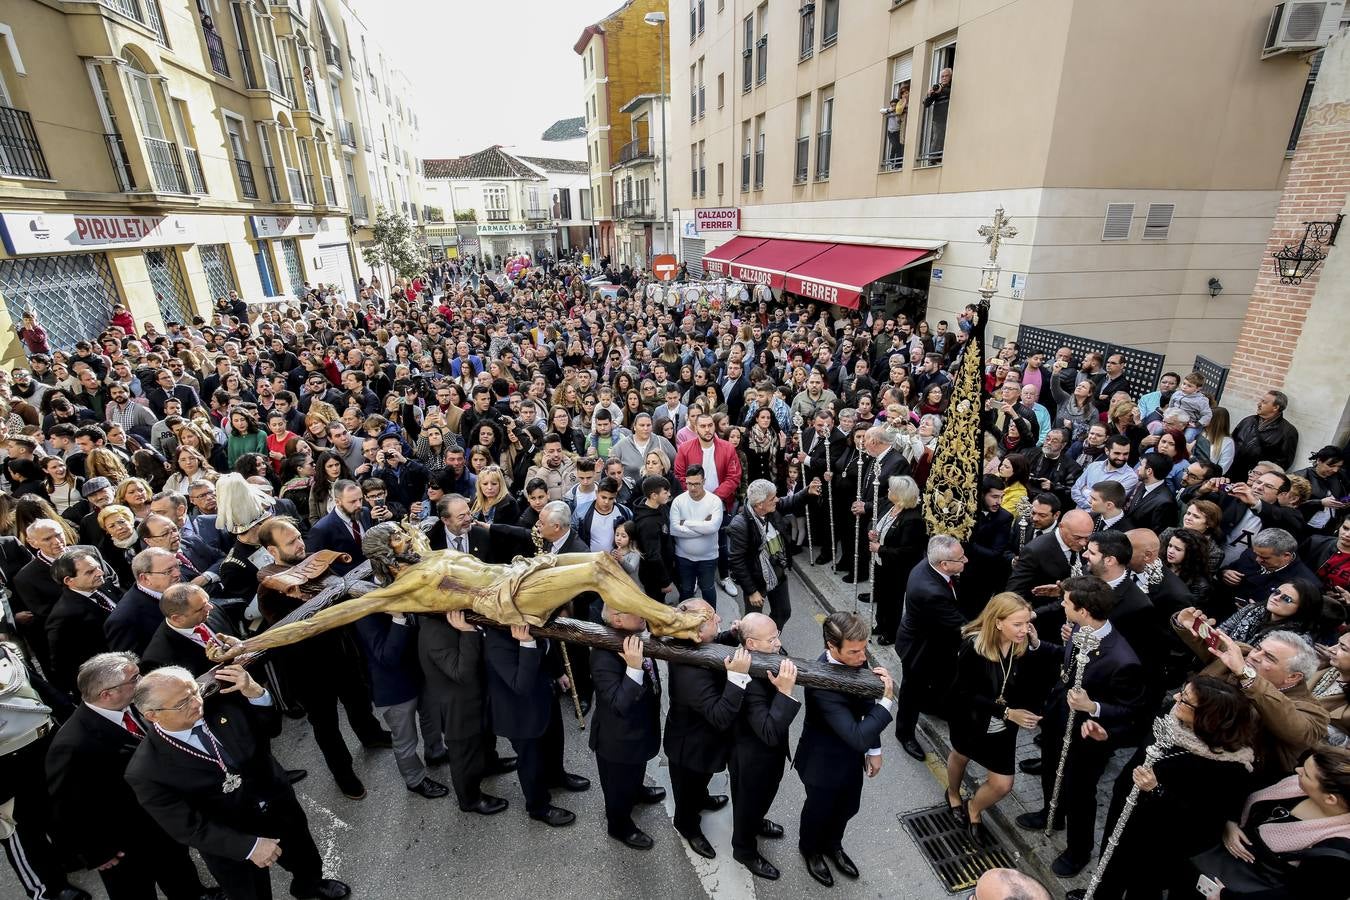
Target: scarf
(765,560)
(760,439)
(1289,837)
(1185,739)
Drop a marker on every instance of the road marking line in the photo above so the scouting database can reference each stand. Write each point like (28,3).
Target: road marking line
(325,834)
(723,877)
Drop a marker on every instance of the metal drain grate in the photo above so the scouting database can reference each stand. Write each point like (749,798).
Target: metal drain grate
(957,859)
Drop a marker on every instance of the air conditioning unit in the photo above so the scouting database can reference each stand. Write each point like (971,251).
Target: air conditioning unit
(1298,27)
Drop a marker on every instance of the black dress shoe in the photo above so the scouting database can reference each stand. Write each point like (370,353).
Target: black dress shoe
(574,783)
(913,748)
(295,776)
(847,577)
(351,787)
(382,741)
(815,864)
(438,759)
(324,888)
(503,765)
(715,802)
(699,844)
(1031,766)
(585,707)
(71,892)
(843,863)
(556,817)
(1032,821)
(487,805)
(294,711)
(1065,866)
(637,839)
(770,829)
(822,558)
(430,789)
(761,868)
(651,794)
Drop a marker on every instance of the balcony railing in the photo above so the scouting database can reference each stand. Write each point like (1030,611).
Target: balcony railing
(803,154)
(194,167)
(892,150)
(347,133)
(121,162)
(537,214)
(247,186)
(642,148)
(384,149)
(333,57)
(166,167)
(498,215)
(823,155)
(702,100)
(296,182)
(272,72)
(145,12)
(641,208)
(20,153)
(759,169)
(215,49)
(329,190)
(367,143)
(745,171)
(273,189)
(312,99)
(246,63)
(360,209)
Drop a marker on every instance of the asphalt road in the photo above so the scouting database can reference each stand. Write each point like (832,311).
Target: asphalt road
(395,844)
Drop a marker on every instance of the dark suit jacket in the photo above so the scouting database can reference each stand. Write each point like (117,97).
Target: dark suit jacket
(519,688)
(334,533)
(34,590)
(930,627)
(905,545)
(452,666)
(704,704)
(183,793)
(893,463)
(1155,510)
(13,557)
(74,633)
(391,658)
(1145,628)
(761,733)
(169,648)
(1040,562)
(134,622)
(95,811)
(1114,678)
(479,543)
(626,720)
(838,731)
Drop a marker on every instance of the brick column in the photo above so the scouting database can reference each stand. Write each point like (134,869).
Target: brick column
(1276,347)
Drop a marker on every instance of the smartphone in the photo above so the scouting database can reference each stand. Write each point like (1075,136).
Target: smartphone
(1208,887)
(1205,632)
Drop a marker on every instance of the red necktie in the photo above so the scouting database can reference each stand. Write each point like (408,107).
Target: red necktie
(356,531)
(130,724)
(204,633)
(184,561)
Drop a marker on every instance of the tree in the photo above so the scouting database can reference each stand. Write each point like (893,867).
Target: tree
(395,245)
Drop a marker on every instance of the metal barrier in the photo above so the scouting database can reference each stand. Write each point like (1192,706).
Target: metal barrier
(1216,375)
(1142,368)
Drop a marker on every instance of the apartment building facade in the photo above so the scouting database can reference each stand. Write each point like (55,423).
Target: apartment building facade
(620,60)
(1139,148)
(639,204)
(161,153)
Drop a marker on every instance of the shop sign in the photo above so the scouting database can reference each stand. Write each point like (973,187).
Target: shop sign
(721,218)
(283,226)
(36,232)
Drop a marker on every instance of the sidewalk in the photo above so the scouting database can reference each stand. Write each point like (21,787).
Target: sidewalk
(1034,849)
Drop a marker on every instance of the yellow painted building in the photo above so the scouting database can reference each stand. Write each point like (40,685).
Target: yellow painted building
(161,153)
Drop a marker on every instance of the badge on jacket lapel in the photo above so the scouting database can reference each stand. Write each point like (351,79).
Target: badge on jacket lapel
(224,721)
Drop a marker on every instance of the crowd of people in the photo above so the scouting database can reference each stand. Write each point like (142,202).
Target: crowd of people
(158,479)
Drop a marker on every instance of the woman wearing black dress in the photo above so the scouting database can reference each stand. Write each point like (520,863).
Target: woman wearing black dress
(899,540)
(995,683)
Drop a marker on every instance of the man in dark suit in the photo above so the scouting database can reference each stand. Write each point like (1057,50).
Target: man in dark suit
(1108,507)
(137,617)
(929,635)
(1112,696)
(880,461)
(451,529)
(704,704)
(342,528)
(1152,504)
(821,444)
(184,631)
(841,738)
(761,747)
(1048,560)
(625,727)
(95,813)
(215,786)
(734,385)
(35,593)
(75,626)
(1169,596)
(1143,626)
(164,388)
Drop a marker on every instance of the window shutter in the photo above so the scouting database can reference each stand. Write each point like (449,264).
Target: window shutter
(1117,224)
(904,69)
(1159,221)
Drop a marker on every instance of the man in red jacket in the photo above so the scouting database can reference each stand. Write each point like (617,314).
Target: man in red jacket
(722,476)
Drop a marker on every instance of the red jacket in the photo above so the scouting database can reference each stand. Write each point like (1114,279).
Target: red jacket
(125,322)
(724,457)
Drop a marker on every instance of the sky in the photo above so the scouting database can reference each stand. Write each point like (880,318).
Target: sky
(487,72)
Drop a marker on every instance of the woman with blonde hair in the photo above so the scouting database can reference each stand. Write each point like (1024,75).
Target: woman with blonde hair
(995,686)
(492,502)
(118,544)
(103,462)
(134,494)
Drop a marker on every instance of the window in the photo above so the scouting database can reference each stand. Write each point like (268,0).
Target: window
(829,24)
(702,16)
(693,170)
(759,153)
(808,29)
(179,115)
(565,203)
(762,46)
(702,95)
(693,20)
(747,53)
(933,134)
(496,204)
(20,153)
(217,269)
(895,114)
(721,90)
(266,272)
(702,168)
(693,93)
(745,156)
(824,135)
(803,139)
(721,182)
(234,131)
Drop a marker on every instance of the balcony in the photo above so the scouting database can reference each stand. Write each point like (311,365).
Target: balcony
(702,100)
(272,75)
(641,208)
(823,156)
(246,63)
(643,148)
(759,169)
(194,167)
(292,6)
(20,153)
(296,182)
(367,143)
(215,49)
(121,163)
(360,208)
(273,189)
(332,56)
(329,191)
(312,100)
(247,186)
(384,149)
(347,133)
(537,214)
(803,154)
(433,213)
(166,167)
(497,215)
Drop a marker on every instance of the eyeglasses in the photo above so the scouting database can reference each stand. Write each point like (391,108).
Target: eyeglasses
(195,694)
(175,571)
(121,684)
(1184,702)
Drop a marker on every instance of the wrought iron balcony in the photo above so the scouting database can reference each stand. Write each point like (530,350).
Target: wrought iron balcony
(347,133)
(20,153)
(296,182)
(331,54)
(121,162)
(166,167)
(247,186)
(360,208)
(642,148)
(143,12)
(498,215)
(215,49)
(273,189)
(194,167)
(641,208)
(272,72)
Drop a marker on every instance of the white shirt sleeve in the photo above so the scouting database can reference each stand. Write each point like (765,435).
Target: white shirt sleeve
(530,645)
(635,674)
(741,680)
(264,699)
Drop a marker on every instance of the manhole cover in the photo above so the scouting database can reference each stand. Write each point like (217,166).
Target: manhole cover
(957,859)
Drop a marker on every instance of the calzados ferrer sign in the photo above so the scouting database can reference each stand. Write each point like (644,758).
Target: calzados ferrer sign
(722,218)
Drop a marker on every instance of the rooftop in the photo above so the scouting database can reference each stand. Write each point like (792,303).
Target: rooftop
(549,164)
(494,162)
(566,129)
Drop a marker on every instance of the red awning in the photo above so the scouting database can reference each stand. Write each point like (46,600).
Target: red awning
(770,262)
(717,260)
(840,273)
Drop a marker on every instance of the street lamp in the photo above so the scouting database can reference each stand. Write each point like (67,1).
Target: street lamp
(659,20)
(1293,264)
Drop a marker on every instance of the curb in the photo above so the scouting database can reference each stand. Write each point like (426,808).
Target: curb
(1003,827)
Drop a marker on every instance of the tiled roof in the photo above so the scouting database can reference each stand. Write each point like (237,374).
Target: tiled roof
(494,162)
(566,129)
(548,164)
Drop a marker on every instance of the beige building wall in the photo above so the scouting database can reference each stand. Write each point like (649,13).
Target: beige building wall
(1057,109)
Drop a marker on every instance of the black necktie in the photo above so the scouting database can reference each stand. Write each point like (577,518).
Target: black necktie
(213,747)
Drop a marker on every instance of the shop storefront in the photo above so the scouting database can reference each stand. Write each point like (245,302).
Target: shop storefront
(506,239)
(277,253)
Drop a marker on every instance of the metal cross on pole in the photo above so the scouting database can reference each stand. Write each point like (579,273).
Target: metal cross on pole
(993,235)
